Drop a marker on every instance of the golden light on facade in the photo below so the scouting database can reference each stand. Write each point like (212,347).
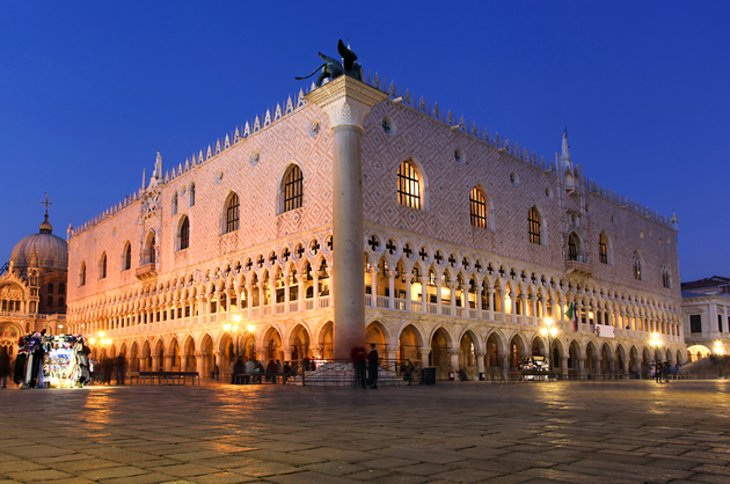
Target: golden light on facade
(250,328)
(549,328)
(718,348)
(655,341)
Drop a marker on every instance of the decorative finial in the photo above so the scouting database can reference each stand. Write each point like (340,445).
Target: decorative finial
(46,227)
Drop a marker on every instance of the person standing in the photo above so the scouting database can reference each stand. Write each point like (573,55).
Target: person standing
(658,371)
(373,362)
(358,357)
(120,366)
(4,367)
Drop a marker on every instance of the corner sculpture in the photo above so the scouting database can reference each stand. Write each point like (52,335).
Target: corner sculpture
(332,68)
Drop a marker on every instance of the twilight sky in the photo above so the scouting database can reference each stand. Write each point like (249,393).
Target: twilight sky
(89,91)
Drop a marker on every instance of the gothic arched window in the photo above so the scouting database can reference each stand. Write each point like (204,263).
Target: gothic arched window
(184,234)
(232,207)
(573,246)
(637,266)
(666,278)
(534,225)
(82,274)
(478,208)
(603,248)
(174,204)
(292,189)
(102,266)
(191,195)
(409,185)
(127,257)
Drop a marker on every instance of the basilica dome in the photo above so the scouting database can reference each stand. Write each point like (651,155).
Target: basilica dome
(43,250)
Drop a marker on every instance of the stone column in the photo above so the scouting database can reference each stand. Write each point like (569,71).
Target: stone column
(425,352)
(454,358)
(346,102)
(391,289)
(168,362)
(582,368)
(373,286)
(564,366)
(200,365)
(408,278)
(505,367)
(480,361)
(424,293)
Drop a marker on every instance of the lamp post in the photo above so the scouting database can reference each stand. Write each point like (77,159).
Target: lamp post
(236,329)
(549,330)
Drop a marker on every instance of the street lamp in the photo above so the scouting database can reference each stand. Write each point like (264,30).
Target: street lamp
(718,348)
(549,330)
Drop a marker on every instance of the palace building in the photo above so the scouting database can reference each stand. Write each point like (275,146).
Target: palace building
(357,214)
(706,306)
(33,287)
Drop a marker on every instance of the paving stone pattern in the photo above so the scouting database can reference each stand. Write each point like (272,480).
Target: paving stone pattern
(634,431)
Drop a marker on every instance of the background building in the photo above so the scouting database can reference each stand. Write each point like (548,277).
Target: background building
(706,308)
(471,246)
(33,287)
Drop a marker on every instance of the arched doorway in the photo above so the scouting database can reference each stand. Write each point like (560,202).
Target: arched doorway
(146,357)
(492,357)
(227,350)
(158,358)
(9,336)
(516,352)
(375,333)
(409,344)
(556,357)
(697,352)
(574,360)
(299,343)
(326,342)
(591,360)
(538,347)
(133,357)
(173,356)
(187,359)
(619,362)
(468,348)
(273,348)
(440,353)
(206,349)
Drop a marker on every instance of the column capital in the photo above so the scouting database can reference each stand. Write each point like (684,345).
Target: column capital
(346,101)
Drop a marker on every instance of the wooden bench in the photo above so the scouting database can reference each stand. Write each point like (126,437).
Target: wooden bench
(168,377)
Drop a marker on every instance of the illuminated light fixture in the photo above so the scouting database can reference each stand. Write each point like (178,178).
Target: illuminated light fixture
(236,318)
(250,328)
(226,327)
(718,348)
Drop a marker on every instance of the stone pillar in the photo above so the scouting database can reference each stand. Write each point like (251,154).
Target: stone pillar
(287,286)
(200,365)
(391,289)
(582,368)
(491,299)
(287,354)
(454,358)
(424,293)
(452,295)
(480,360)
(168,362)
(564,366)
(408,278)
(505,366)
(425,352)
(374,286)
(346,102)
(301,281)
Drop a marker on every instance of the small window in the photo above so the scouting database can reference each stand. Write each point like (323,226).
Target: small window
(232,214)
(533,221)
(127,257)
(174,204)
(191,195)
(409,185)
(719,322)
(695,323)
(603,248)
(478,208)
(666,278)
(293,188)
(62,302)
(61,288)
(49,289)
(573,246)
(184,234)
(49,302)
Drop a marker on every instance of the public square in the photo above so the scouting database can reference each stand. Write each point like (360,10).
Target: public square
(629,431)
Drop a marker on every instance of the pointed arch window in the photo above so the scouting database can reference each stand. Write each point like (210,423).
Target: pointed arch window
(183,236)
(127,257)
(573,246)
(174,204)
(149,249)
(82,274)
(603,248)
(102,266)
(533,222)
(292,189)
(666,278)
(637,266)
(478,208)
(232,213)
(191,195)
(409,185)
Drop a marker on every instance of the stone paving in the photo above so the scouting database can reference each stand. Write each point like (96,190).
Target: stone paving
(634,431)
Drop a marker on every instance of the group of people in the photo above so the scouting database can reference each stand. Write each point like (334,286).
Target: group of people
(663,370)
(362,361)
(253,371)
(111,367)
(44,360)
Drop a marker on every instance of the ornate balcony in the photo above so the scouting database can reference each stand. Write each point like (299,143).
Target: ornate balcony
(579,266)
(146,271)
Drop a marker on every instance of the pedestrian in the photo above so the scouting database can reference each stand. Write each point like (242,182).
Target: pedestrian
(107,366)
(278,368)
(120,364)
(358,357)
(287,371)
(216,372)
(658,371)
(271,371)
(407,369)
(239,369)
(667,368)
(4,367)
(373,362)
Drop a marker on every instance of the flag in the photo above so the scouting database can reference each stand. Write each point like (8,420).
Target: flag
(573,316)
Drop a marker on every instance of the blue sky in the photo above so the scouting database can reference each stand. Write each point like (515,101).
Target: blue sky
(89,91)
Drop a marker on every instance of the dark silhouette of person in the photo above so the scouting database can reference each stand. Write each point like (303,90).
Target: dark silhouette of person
(4,367)
(373,361)
(119,365)
(358,357)
(238,369)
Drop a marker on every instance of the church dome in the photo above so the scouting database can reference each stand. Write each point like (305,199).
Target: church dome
(43,250)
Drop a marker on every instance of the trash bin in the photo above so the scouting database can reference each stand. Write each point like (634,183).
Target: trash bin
(429,376)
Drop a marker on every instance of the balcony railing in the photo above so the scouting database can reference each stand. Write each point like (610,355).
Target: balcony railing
(146,271)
